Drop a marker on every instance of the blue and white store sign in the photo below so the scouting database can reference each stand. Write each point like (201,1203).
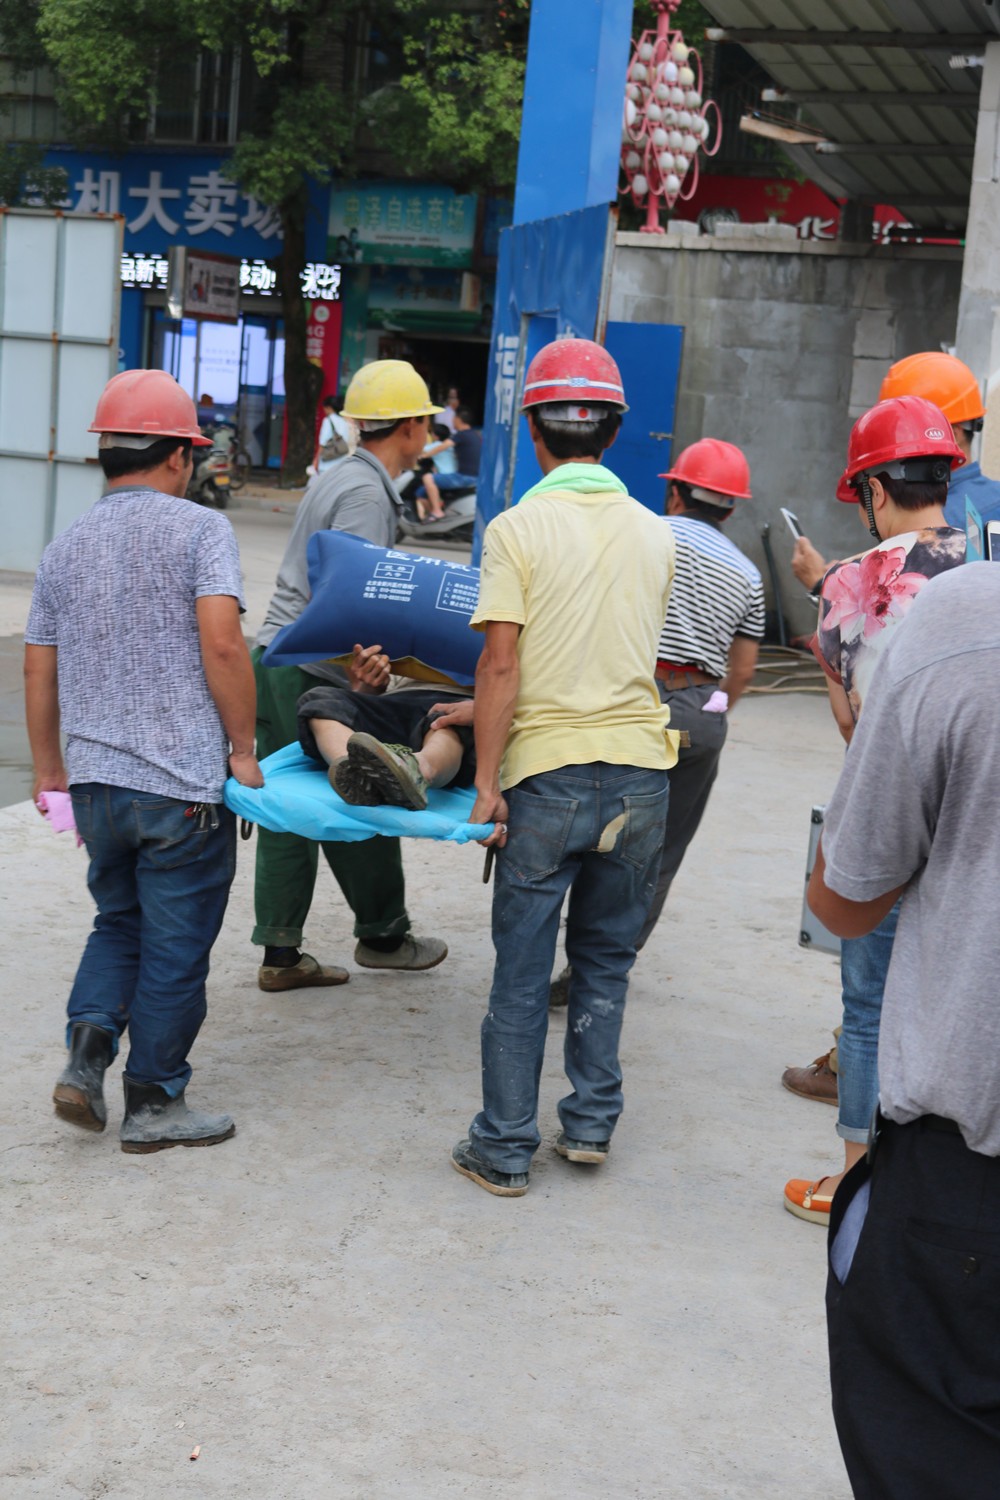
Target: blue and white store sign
(182,198)
(185,198)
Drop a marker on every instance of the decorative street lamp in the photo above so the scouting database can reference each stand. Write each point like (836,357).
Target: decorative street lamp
(666,122)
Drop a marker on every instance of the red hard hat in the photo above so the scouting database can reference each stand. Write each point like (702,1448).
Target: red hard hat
(903,427)
(147,402)
(711,464)
(572,370)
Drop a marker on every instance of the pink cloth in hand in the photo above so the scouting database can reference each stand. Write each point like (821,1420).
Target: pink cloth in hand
(58,810)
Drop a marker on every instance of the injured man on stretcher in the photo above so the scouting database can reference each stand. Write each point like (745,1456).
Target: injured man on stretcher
(385,739)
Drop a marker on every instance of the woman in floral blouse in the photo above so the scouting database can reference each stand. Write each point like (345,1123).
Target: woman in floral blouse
(900,455)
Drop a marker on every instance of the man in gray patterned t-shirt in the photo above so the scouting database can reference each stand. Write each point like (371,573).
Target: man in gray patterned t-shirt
(913,1293)
(133,648)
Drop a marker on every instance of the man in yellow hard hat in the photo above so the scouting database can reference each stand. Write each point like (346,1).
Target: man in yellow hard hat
(391,406)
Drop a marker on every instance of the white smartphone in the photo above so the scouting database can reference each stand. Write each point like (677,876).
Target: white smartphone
(993,541)
(792,522)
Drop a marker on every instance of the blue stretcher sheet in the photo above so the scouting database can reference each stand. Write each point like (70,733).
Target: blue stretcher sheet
(297,798)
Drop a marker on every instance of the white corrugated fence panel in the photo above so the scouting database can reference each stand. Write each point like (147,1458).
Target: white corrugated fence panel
(83,372)
(23,510)
(77,487)
(26,373)
(59,301)
(89,297)
(28,270)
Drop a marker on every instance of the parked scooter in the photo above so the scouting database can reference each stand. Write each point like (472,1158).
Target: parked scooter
(457,523)
(210,482)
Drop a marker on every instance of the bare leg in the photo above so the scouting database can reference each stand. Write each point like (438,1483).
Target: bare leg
(853,1152)
(331,738)
(434,496)
(440,757)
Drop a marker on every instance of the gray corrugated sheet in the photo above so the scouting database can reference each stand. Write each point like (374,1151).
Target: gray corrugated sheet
(930,186)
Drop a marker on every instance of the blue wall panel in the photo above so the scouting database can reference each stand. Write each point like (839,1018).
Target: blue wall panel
(649,357)
(549,279)
(578,52)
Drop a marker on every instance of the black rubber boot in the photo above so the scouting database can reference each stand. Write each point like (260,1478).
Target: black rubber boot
(154,1121)
(79,1094)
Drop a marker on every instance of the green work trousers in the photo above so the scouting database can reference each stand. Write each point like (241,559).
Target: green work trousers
(370,874)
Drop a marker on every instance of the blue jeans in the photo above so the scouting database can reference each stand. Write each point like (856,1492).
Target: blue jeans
(864,964)
(597,831)
(446,482)
(161,883)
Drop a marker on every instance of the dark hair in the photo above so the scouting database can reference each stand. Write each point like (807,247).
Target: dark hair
(116,462)
(566,440)
(330,401)
(913,494)
(440,431)
(700,509)
(390,428)
(465,414)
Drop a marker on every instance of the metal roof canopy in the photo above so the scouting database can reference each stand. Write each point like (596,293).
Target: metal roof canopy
(875,77)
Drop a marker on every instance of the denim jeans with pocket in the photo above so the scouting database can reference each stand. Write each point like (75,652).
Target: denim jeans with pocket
(597,831)
(161,879)
(864,964)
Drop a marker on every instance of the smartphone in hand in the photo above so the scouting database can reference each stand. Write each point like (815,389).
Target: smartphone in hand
(792,522)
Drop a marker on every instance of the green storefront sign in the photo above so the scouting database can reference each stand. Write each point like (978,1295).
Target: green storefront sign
(401,224)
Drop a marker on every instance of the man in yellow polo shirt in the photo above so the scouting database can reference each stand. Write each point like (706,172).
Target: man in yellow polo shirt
(572,751)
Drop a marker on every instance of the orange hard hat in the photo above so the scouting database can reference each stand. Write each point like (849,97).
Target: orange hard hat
(940,378)
(573,370)
(905,427)
(718,467)
(147,403)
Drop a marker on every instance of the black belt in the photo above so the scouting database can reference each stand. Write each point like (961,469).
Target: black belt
(938,1122)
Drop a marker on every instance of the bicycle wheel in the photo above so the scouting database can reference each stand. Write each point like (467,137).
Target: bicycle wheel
(239,469)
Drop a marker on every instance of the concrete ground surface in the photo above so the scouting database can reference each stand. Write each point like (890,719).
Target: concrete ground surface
(326,1308)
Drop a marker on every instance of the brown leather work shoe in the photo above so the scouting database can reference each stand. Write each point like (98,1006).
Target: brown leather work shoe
(817,1081)
(303,975)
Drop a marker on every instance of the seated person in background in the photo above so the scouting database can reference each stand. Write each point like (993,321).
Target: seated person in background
(386,743)
(468,447)
(437,458)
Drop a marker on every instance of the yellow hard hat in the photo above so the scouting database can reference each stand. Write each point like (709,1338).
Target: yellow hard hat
(388,390)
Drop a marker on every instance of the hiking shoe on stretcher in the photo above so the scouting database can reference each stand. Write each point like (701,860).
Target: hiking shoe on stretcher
(351,785)
(384,774)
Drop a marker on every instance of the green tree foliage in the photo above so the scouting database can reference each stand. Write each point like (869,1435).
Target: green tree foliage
(457,112)
(23,176)
(25,179)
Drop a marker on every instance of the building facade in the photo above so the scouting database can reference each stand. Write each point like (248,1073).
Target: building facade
(394,268)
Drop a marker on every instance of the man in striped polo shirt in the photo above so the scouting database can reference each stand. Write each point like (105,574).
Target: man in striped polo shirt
(710,638)
(708,646)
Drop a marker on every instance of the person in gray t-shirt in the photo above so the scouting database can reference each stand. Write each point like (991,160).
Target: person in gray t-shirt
(134,649)
(391,405)
(914,1293)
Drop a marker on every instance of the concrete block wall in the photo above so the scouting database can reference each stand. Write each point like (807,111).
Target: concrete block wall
(978,337)
(784,346)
